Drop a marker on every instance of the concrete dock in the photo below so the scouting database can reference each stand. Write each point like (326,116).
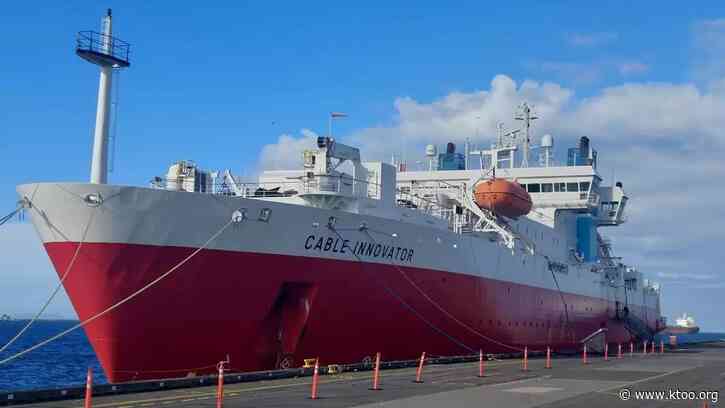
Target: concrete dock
(570,383)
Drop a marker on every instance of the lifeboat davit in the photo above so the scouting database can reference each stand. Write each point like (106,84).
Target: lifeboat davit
(503,197)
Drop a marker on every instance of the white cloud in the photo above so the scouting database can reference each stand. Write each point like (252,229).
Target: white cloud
(287,152)
(651,111)
(460,115)
(664,141)
(591,39)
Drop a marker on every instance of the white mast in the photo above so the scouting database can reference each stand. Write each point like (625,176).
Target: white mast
(99,162)
(527,117)
(108,53)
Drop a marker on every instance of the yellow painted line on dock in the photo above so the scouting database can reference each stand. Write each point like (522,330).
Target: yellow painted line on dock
(206,395)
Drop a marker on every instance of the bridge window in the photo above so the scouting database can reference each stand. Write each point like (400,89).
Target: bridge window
(533,188)
(572,187)
(584,186)
(559,187)
(547,188)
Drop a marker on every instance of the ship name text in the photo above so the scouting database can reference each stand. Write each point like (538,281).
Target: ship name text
(359,248)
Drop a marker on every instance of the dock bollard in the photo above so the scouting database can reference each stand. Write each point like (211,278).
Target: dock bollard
(419,372)
(525,362)
(548,357)
(480,364)
(584,355)
(89,389)
(315,378)
(606,351)
(220,385)
(619,350)
(376,374)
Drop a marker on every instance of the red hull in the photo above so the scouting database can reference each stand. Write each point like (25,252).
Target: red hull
(257,308)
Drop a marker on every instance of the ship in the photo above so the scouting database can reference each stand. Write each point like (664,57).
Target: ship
(683,325)
(484,250)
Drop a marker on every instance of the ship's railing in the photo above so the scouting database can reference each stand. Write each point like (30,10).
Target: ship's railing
(328,184)
(425,198)
(218,186)
(99,43)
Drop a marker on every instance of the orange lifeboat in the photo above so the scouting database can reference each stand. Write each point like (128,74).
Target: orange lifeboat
(503,197)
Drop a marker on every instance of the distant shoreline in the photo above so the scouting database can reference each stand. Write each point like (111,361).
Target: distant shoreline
(53,319)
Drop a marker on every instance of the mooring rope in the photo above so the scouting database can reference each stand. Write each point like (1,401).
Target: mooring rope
(436,304)
(8,217)
(447,313)
(407,306)
(122,301)
(57,287)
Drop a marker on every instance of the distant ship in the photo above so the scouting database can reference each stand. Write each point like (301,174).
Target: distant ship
(5,318)
(683,325)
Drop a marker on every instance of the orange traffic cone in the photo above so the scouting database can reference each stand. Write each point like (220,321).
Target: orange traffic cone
(548,357)
(315,378)
(89,389)
(419,372)
(376,374)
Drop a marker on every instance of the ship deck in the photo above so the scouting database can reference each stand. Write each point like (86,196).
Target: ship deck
(568,384)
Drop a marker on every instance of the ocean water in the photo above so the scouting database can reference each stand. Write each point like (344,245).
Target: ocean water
(65,361)
(60,363)
(692,338)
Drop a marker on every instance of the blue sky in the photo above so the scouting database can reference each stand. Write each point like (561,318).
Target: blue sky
(245,85)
